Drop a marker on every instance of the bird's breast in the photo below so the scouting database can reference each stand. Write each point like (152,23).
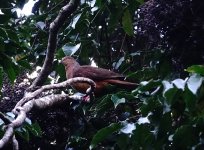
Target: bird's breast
(82,87)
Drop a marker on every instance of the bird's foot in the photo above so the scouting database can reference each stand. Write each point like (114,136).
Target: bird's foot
(86,98)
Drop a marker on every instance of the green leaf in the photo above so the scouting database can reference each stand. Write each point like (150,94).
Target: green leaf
(150,105)
(128,128)
(12,35)
(98,3)
(3,33)
(179,83)
(133,5)
(142,137)
(194,83)
(4,18)
(185,136)
(34,129)
(40,25)
(140,1)
(199,69)
(75,20)
(104,105)
(116,100)
(148,86)
(2,45)
(127,22)
(190,100)
(23,132)
(143,75)
(24,64)
(70,49)
(172,95)
(103,133)
(118,64)
(8,68)
(123,141)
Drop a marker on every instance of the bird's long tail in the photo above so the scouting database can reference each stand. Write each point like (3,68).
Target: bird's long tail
(123,84)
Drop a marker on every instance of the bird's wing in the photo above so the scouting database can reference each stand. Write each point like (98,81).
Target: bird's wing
(96,73)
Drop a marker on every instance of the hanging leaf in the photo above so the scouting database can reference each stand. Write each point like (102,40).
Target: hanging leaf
(104,105)
(172,95)
(127,23)
(118,64)
(179,83)
(128,128)
(194,83)
(116,100)
(70,49)
(40,25)
(104,133)
(75,20)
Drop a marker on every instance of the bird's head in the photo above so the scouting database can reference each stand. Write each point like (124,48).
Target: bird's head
(69,61)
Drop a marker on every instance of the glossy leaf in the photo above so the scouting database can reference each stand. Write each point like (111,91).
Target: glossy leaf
(69,49)
(128,128)
(103,133)
(34,129)
(147,86)
(194,83)
(104,105)
(142,137)
(23,132)
(75,20)
(116,100)
(199,69)
(179,83)
(172,95)
(40,25)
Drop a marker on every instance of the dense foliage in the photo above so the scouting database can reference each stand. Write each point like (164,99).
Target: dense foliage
(164,112)
(176,27)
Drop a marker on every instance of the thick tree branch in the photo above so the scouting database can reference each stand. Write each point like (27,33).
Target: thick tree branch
(30,101)
(67,83)
(64,13)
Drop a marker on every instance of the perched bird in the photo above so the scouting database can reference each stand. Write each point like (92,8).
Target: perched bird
(102,77)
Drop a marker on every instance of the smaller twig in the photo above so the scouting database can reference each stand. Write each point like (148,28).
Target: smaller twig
(15,143)
(121,48)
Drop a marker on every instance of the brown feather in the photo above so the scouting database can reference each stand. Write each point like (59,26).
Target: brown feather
(102,77)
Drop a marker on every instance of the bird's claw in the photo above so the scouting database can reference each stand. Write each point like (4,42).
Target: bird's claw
(86,98)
